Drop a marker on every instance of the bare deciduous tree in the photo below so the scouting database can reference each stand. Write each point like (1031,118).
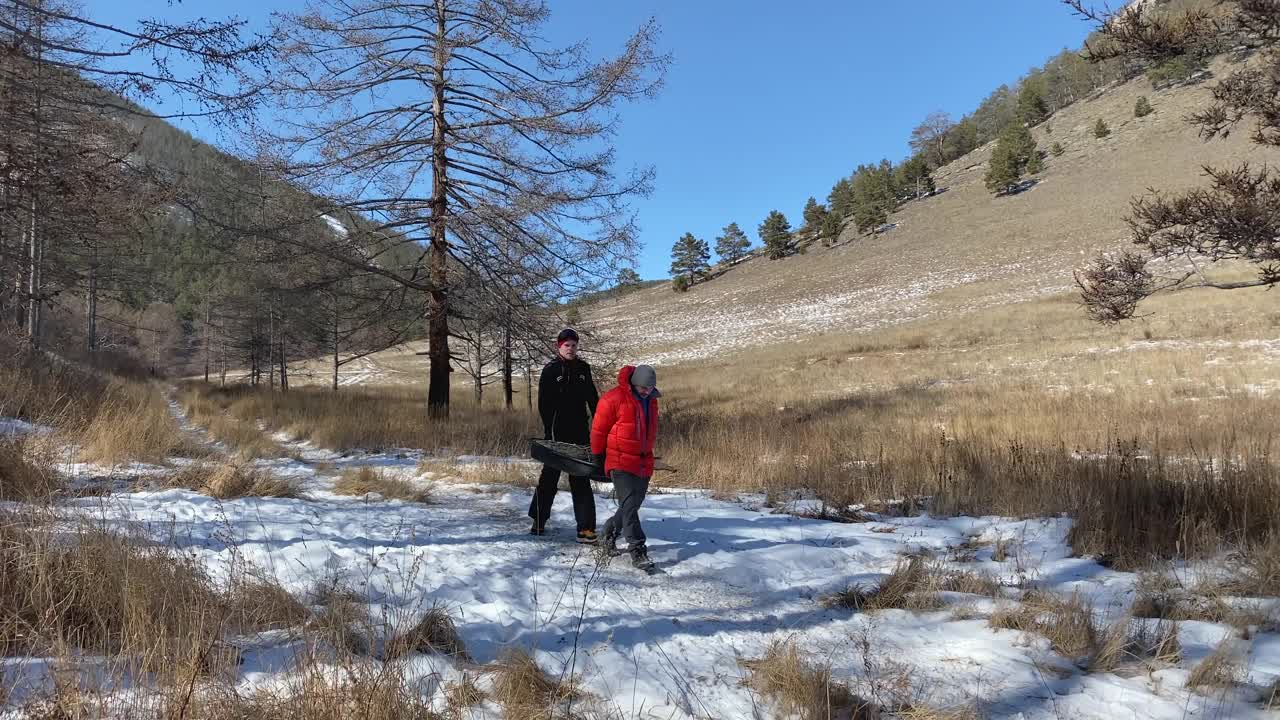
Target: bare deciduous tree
(453,126)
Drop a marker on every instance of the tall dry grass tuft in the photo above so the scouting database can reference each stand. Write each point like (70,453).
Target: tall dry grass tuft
(913,585)
(366,480)
(434,633)
(801,688)
(228,481)
(133,422)
(1221,669)
(24,475)
(1068,623)
(152,609)
(314,691)
(1128,641)
(524,690)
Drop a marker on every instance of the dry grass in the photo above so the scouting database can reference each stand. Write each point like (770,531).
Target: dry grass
(1128,641)
(1221,669)
(145,607)
(912,585)
(1175,605)
(366,480)
(133,422)
(800,688)
(24,475)
(343,623)
(434,633)
(1257,572)
(1068,623)
(228,481)
(524,690)
(312,692)
(462,695)
(367,418)
(481,473)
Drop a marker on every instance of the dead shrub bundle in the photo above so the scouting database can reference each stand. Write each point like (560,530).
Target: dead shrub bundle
(228,481)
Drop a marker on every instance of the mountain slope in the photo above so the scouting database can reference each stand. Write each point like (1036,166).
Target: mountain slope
(956,252)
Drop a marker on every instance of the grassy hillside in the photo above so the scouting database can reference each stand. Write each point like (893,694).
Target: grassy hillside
(957,256)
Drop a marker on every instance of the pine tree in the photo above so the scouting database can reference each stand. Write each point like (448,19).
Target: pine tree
(1013,151)
(1057,149)
(874,196)
(775,233)
(1035,165)
(690,258)
(628,277)
(1100,129)
(815,214)
(1142,108)
(912,177)
(831,227)
(1032,108)
(733,244)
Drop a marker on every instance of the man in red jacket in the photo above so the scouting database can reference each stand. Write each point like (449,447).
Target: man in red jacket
(623,431)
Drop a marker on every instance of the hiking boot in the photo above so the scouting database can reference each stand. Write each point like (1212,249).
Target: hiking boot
(537,529)
(640,558)
(587,537)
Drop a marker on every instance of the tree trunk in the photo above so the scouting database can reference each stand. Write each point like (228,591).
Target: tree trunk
(438,307)
(91,310)
(222,356)
(284,368)
(507,390)
(479,389)
(271,346)
(207,341)
(34,280)
(528,385)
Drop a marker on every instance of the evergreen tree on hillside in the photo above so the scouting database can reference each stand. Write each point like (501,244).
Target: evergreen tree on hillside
(815,214)
(1032,108)
(1014,150)
(874,196)
(840,199)
(628,277)
(913,177)
(1101,129)
(1142,108)
(690,258)
(962,139)
(830,230)
(1057,149)
(775,233)
(732,245)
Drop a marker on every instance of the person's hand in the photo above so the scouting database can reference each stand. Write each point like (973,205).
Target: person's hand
(597,459)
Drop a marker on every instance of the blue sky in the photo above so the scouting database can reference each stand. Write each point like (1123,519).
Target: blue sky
(768,103)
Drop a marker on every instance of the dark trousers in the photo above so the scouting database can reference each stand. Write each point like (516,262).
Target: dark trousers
(584,502)
(630,491)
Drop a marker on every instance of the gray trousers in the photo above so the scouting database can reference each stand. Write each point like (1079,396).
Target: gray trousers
(630,491)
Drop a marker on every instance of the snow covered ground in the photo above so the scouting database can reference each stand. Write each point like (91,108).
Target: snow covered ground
(736,577)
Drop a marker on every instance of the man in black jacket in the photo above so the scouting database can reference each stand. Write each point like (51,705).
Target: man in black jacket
(566,394)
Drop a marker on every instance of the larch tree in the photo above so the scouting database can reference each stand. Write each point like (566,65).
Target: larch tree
(453,126)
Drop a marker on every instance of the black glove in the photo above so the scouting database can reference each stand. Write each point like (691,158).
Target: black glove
(597,460)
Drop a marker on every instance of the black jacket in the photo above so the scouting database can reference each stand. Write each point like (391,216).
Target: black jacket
(566,394)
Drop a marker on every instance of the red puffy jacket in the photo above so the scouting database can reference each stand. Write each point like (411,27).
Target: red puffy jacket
(621,432)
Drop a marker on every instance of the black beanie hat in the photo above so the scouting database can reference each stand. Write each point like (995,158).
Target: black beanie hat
(566,335)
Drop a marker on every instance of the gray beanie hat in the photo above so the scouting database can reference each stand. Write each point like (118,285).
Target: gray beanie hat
(644,376)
